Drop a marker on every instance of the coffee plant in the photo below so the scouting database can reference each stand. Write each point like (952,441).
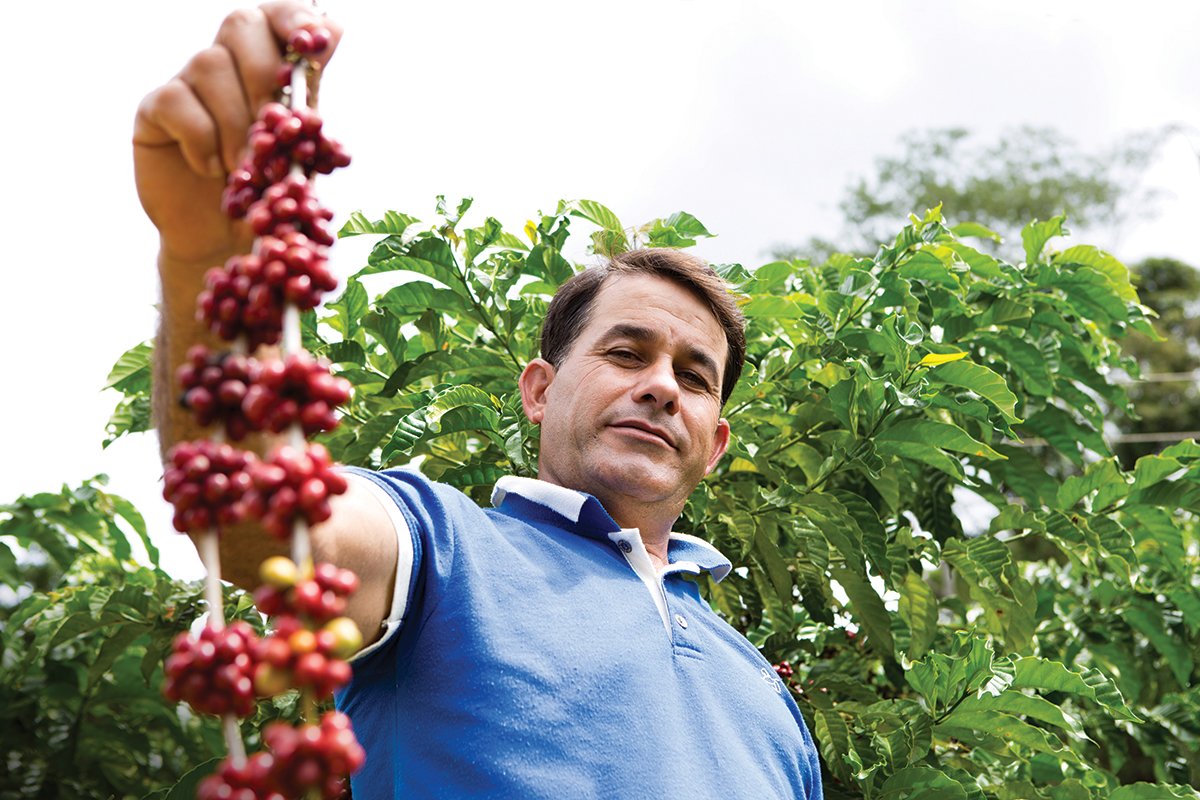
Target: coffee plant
(1048,651)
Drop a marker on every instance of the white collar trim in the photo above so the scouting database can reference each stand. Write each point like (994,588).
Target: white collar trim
(559,499)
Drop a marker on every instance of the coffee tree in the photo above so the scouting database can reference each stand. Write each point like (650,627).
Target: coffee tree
(1048,652)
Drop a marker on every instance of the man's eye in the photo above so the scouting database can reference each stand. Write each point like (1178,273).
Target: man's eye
(695,380)
(623,355)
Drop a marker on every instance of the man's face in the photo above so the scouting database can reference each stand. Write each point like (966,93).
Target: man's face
(632,414)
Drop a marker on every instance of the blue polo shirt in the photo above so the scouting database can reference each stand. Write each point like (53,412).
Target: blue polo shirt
(535,651)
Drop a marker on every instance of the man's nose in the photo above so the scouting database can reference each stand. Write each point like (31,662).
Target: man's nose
(658,385)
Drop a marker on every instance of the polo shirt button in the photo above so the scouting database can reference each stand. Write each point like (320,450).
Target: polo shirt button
(625,546)
(682,622)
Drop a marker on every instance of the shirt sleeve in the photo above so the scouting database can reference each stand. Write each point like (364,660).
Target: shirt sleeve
(404,564)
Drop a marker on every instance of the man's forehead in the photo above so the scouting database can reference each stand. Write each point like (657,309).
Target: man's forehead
(633,305)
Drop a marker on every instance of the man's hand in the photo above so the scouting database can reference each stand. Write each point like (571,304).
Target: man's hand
(190,132)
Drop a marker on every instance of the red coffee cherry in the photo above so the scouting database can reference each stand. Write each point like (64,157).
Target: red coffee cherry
(293,484)
(206,482)
(279,138)
(314,757)
(295,656)
(251,781)
(296,390)
(213,387)
(289,206)
(237,301)
(214,672)
(318,599)
(309,39)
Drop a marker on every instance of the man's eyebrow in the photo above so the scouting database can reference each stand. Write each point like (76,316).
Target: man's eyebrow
(642,334)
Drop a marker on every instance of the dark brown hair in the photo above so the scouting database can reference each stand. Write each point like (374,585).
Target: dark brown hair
(570,310)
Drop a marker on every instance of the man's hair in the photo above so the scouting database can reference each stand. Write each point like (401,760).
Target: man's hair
(570,310)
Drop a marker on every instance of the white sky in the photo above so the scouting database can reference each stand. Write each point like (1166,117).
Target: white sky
(751,115)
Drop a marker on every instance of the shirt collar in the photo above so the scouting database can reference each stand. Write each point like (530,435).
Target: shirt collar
(583,514)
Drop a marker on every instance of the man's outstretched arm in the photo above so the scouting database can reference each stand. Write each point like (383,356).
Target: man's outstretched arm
(188,134)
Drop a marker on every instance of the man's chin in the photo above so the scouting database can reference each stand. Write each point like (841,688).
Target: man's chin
(636,480)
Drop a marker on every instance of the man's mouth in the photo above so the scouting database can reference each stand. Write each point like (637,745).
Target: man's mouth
(651,432)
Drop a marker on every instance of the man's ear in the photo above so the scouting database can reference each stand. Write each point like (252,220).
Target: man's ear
(535,381)
(720,444)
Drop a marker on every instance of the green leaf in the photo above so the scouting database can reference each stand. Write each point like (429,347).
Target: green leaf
(868,610)
(919,608)
(132,415)
(1103,477)
(426,255)
(393,222)
(986,565)
(1154,791)
(1104,263)
(1017,703)
(928,268)
(980,380)
(1036,234)
(351,307)
(833,737)
(925,454)
(1151,469)
(1003,727)
(937,434)
(1026,360)
(981,264)
(597,213)
(1148,620)
(126,511)
(777,570)
(131,373)
(1091,294)
(921,783)
(974,229)
(1033,672)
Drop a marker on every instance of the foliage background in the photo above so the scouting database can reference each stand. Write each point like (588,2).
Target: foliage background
(1051,656)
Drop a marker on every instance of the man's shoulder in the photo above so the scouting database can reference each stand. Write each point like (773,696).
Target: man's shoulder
(417,493)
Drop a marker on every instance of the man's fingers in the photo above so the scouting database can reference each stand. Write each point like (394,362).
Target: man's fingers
(207,108)
(256,53)
(287,15)
(214,79)
(173,114)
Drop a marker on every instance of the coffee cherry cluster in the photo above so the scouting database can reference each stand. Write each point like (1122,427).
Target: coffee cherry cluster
(319,598)
(246,297)
(213,485)
(317,756)
(206,482)
(289,206)
(280,138)
(293,484)
(295,656)
(298,389)
(214,386)
(251,781)
(214,672)
(265,775)
(244,394)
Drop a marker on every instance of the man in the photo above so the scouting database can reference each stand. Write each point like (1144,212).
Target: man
(549,647)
